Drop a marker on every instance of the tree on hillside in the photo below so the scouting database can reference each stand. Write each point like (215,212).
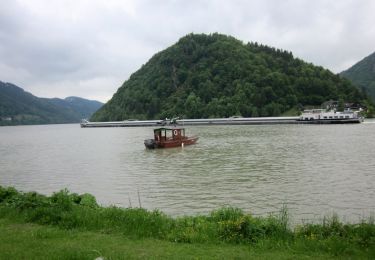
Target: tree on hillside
(205,76)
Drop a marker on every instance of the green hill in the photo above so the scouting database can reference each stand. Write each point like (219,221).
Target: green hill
(203,76)
(83,108)
(19,107)
(362,74)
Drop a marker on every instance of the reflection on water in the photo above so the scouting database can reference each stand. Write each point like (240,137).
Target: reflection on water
(313,169)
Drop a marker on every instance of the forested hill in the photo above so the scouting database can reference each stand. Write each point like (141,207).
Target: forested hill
(363,74)
(203,76)
(19,107)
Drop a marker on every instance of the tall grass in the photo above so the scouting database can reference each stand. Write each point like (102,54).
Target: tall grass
(229,225)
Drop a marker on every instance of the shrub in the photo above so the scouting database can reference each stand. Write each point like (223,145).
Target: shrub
(29,200)
(63,199)
(88,200)
(193,230)
(7,193)
(226,213)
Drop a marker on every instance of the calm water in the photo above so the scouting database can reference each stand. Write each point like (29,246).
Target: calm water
(314,169)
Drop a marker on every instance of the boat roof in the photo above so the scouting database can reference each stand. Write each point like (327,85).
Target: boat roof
(167,128)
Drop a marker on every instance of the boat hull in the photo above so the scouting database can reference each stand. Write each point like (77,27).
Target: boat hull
(332,121)
(152,144)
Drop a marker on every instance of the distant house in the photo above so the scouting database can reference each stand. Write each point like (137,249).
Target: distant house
(5,118)
(333,105)
(353,106)
(330,105)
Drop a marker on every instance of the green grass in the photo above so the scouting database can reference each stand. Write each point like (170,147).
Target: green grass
(72,226)
(32,241)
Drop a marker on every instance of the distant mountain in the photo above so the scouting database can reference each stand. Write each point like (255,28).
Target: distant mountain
(203,76)
(19,107)
(83,107)
(362,74)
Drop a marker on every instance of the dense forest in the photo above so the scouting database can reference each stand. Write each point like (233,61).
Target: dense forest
(19,107)
(362,74)
(206,76)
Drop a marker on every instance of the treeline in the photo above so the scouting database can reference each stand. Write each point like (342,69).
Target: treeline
(206,76)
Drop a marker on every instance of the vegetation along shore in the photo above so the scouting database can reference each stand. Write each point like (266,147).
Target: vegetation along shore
(74,226)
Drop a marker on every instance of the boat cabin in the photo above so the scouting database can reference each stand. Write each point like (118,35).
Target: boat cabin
(166,134)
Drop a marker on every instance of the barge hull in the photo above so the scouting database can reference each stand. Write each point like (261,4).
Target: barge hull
(221,121)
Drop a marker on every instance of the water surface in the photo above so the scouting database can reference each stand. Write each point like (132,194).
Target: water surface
(314,169)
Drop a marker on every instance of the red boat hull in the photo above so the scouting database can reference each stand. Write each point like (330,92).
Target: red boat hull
(152,144)
(177,143)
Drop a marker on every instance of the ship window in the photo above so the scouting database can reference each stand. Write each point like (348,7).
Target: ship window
(346,116)
(336,117)
(341,117)
(325,117)
(330,116)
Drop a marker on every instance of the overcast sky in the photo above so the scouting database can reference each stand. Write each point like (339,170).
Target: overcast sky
(88,48)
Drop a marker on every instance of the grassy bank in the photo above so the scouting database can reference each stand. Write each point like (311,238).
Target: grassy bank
(66,223)
(32,241)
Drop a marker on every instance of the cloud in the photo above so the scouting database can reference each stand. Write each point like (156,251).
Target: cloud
(89,48)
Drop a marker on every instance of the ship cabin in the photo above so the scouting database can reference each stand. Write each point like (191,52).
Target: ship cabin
(168,134)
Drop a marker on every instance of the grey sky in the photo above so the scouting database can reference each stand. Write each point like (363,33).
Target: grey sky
(88,48)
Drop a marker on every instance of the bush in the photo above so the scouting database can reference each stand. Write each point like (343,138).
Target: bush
(7,193)
(63,199)
(226,213)
(362,234)
(88,200)
(199,229)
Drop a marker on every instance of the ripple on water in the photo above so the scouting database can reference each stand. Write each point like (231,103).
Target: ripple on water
(314,170)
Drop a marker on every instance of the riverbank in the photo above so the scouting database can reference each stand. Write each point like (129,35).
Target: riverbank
(72,225)
(31,241)
(20,240)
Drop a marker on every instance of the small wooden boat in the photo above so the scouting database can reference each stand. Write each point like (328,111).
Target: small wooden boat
(169,137)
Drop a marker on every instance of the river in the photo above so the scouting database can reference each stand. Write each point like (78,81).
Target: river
(315,170)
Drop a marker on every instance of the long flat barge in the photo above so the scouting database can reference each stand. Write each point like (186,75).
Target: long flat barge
(188,122)
(313,116)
